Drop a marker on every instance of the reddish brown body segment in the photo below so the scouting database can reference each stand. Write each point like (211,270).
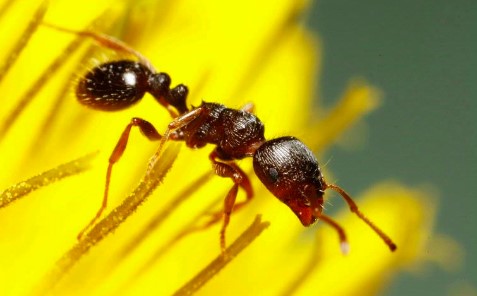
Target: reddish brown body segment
(284,165)
(291,172)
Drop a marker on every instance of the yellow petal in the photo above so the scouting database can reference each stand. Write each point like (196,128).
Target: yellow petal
(225,52)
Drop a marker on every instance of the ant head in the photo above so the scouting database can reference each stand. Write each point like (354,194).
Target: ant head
(113,85)
(291,172)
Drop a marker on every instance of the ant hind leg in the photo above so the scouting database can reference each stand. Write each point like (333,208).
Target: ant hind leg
(108,42)
(148,130)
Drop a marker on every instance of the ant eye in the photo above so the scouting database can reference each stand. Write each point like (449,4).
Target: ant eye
(113,86)
(273,174)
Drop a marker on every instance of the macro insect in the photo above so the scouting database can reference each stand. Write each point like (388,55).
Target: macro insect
(286,167)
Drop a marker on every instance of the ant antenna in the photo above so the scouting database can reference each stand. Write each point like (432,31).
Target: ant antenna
(354,208)
(344,245)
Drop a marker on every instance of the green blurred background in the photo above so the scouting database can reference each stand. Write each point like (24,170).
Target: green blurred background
(422,55)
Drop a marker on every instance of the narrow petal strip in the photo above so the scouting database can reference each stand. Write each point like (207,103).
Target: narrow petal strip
(23,41)
(248,236)
(359,99)
(112,221)
(23,188)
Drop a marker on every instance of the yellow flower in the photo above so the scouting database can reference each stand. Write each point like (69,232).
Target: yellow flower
(232,54)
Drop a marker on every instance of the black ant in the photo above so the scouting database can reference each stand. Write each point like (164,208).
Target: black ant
(284,165)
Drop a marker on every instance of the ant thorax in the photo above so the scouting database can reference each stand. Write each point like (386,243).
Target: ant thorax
(236,133)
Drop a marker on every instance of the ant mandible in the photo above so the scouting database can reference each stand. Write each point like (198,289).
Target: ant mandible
(284,165)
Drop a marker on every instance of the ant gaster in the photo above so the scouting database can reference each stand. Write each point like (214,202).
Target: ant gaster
(284,165)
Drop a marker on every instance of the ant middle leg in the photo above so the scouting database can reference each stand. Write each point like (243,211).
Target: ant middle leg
(148,130)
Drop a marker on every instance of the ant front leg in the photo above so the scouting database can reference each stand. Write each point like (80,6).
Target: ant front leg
(238,176)
(148,130)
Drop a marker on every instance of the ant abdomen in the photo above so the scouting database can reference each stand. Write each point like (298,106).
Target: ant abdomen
(117,85)
(290,171)
(114,85)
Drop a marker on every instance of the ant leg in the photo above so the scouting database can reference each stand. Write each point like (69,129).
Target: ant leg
(229,202)
(177,123)
(354,208)
(148,130)
(229,170)
(108,42)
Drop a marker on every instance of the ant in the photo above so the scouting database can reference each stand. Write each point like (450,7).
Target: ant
(284,165)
